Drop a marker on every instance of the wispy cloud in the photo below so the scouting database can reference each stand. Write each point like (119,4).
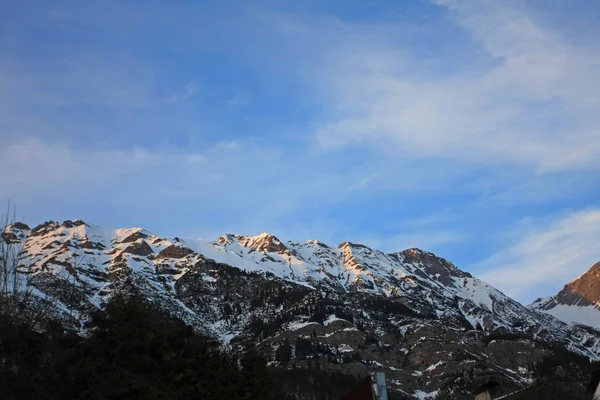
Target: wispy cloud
(38,166)
(189,91)
(364,181)
(230,180)
(545,255)
(532,103)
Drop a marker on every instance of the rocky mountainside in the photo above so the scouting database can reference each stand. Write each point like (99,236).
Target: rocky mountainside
(578,302)
(435,330)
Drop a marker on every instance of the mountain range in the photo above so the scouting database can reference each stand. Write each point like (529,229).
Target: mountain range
(435,330)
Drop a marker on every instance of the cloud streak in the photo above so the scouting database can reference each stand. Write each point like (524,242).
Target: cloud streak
(545,255)
(532,103)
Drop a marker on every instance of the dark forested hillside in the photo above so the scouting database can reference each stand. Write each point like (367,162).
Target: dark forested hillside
(134,351)
(137,351)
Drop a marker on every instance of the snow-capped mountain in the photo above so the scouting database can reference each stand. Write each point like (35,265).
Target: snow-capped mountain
(433,328)
(578,302)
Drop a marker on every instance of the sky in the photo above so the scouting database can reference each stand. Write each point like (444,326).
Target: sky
(469,128)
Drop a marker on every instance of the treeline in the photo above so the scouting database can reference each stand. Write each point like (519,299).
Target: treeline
(313,384)
(134,351)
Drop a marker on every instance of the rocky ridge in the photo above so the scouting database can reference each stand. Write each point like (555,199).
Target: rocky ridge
(435,330)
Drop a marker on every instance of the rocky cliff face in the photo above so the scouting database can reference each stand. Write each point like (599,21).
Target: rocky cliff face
(578,302)
(434,329)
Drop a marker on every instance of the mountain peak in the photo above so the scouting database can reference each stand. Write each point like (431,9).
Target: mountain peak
(436,266)
(415,251)
(348,244)
(583,291)
(19,226)
(72,224)
(577,302)
(226,239)
(264,242)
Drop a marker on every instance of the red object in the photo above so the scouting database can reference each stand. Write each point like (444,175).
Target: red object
(363,391)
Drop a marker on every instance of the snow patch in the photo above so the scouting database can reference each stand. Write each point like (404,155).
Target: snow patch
(586,315)
(419,394)
(434,366)
(294,326)
(332,318)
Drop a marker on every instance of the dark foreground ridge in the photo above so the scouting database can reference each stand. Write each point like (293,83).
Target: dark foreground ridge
(135,351)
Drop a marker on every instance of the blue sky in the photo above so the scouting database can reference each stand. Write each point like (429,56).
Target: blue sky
(468,128)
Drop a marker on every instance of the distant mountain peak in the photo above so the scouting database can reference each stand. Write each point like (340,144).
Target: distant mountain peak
(19,226)
(577,302)
(417,252)
(71,224)
(264,242)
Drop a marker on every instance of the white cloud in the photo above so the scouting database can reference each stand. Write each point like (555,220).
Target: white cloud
(33,167)
(546,255)
(364,181)
(534,103)
(188,92)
